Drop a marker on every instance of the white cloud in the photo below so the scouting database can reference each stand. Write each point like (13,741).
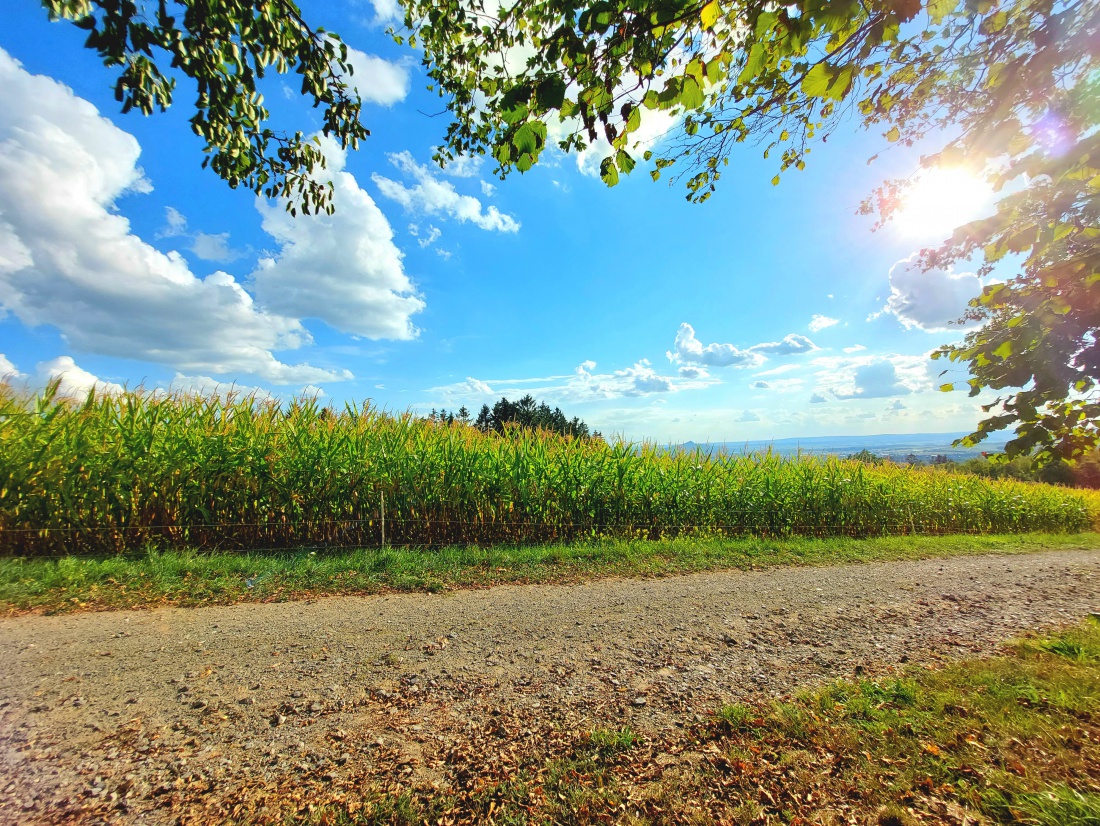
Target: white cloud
(817,398)
(692,372)
(215,247)
(343,269)
(748,416)
(820,322)
(175,224)
(465,166)
(792,344)
(433,235)
(855,348)
(584,384)
(487,189)
(432,196)
(8,371)
(377,80)
(209,247)
(386,10)
(873,377)
(929,300)
(68,260)
(74,381)
(874,381)
(209,386)
(687,349)
(778,385)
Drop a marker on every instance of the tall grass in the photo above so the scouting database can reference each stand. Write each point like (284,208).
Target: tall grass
(125,472)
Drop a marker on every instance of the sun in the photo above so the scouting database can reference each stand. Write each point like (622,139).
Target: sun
(941,200)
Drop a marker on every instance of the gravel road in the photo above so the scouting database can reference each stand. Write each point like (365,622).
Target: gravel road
(155,716)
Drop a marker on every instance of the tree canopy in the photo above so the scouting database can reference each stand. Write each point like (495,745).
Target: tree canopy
(529,413)
(1006,89)
(226,47)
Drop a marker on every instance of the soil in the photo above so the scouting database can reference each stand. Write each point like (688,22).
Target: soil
(178,715)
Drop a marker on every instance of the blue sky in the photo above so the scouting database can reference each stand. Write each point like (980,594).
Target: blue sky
(767,312)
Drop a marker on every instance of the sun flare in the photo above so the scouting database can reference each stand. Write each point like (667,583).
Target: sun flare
(941,200)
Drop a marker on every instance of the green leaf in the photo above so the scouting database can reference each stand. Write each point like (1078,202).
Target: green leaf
(691,93)
(939,9)
(816,82)
(608,173)
(708,15)
(893,135)
(529,138)
(625,162)
(634,119)
(550,93)
(1059,305)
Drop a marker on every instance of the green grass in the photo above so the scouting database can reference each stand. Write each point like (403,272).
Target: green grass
(188,578)
(123,473)
(1013,739)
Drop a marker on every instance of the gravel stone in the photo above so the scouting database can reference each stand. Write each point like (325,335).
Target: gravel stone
(125,740)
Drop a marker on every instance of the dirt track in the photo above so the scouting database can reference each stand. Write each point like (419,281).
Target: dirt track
(149,716)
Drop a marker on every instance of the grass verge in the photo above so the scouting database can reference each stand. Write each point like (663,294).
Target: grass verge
(188,579)
(1012,739)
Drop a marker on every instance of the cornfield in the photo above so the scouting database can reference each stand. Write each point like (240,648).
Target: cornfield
(139,470)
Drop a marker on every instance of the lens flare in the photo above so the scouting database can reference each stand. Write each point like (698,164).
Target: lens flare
(940,201)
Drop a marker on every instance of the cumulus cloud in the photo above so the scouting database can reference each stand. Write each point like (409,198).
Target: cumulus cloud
(584,384)
(377,80)
(692,372)
(748,416)
(855,348)
(8,371)
(929,300)
(817,398)
(386,10)
(210,386)
(875,381)
(820,322)
(343,269)
(687,349)
(874,377)
(73,381)
(69,260)
(429,195)
(760,384)
(792,344)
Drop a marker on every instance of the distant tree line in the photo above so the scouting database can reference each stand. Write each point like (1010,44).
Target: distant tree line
(1084,473)
(526,413)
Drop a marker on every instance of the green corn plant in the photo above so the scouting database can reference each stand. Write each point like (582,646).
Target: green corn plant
(128,472)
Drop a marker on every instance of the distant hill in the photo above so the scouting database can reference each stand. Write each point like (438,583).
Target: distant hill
(895,446)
